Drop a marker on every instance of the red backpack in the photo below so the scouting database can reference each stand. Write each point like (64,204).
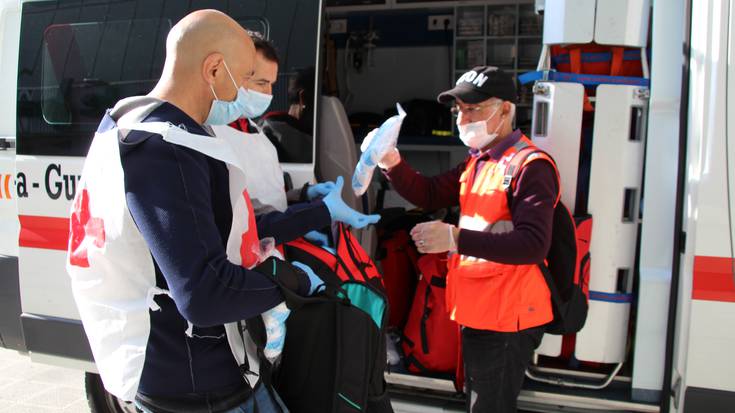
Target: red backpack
(431,338)
(350,263)
(398,262)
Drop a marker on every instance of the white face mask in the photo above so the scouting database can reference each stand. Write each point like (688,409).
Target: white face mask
(475,136)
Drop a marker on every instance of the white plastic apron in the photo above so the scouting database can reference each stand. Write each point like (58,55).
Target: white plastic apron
(263,173)
(112,273)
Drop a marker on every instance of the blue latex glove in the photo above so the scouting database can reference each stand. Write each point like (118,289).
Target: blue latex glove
(314,279)
(317,238)
(339,211)
(320,189)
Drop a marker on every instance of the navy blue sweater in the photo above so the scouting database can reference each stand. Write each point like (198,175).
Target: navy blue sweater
(179,199)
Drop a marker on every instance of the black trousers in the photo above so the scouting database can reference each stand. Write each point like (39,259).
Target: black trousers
(495,365)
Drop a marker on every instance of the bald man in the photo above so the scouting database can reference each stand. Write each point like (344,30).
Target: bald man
(180,202)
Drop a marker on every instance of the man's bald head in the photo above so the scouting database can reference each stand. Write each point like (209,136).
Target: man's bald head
(199,50)
(204,32)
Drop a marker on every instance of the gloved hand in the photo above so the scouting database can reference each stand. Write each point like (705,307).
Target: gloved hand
(314,279)
(320,189)
(435,236)
(317,237)
(339,211)
(320,239)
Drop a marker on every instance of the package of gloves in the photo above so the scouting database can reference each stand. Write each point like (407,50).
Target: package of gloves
(374,147)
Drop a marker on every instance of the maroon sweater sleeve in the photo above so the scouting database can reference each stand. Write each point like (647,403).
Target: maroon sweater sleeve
(429,193)
(532,212)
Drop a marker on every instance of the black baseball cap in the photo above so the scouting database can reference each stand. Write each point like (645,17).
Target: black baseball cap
(480,84)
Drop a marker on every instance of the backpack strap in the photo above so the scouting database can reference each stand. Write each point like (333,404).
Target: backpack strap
(616,64)
(522,158)
(412,254)
(245,366)
(575,59)
(575,62)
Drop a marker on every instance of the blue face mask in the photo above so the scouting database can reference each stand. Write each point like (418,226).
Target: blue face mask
(247,104)
(256,103)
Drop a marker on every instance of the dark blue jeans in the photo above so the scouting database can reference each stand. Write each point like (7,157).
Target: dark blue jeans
(266,404)
(495,364)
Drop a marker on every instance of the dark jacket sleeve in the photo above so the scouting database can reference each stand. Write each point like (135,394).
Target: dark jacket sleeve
(173,210)
(294,222)
(532,212)
(430,193)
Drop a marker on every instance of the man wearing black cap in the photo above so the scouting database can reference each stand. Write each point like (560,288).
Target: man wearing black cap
(495,289)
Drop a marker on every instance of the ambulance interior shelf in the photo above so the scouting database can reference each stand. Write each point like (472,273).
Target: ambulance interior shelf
(508,36)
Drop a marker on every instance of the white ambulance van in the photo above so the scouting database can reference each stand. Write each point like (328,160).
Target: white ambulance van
(661,326)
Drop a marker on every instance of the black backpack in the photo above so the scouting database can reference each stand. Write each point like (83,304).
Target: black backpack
(335,352)
(566,268)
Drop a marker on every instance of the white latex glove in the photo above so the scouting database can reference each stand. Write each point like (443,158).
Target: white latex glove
(435,236)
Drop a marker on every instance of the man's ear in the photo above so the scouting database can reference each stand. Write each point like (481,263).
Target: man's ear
(211,65)
(301,98)
(506,108)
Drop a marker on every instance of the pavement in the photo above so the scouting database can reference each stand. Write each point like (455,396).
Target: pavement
(27,387)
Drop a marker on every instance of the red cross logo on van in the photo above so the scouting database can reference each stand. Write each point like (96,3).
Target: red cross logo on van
(84,230)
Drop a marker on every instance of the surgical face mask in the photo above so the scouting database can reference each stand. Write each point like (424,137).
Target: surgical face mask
(475,136)
(247,103)
(256,103)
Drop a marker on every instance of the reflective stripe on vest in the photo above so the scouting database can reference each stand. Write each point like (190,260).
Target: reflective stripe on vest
(484,294)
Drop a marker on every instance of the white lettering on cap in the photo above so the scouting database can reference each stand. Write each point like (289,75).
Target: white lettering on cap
(467,77)
(480,80)
(473,77)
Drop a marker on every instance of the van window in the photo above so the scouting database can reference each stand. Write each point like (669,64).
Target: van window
(87,67)
(77,59)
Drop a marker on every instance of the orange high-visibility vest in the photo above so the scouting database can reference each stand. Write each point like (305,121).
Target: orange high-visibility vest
(489,295)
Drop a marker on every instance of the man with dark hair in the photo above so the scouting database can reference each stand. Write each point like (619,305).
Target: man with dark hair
(290,132)
(266,49)
(265,182)
(264,75)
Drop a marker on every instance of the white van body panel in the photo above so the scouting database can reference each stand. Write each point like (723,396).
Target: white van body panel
(45,287)
(9,40)
(703,356)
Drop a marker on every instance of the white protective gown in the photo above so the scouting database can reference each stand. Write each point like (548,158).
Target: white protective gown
(110,265)
(263,173)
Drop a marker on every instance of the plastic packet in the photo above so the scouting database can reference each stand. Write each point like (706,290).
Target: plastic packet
(374,147)
(275,318)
